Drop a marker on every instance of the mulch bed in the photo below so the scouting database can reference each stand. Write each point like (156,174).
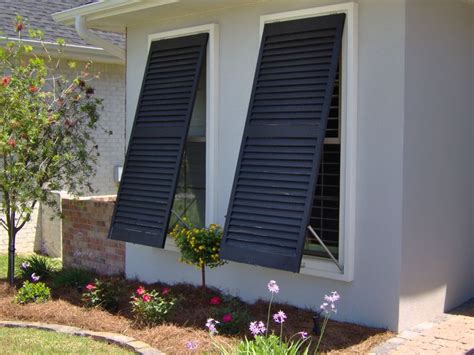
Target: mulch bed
(186,324)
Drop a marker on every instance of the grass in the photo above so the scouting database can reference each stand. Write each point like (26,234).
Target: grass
(4,265)
(33,341)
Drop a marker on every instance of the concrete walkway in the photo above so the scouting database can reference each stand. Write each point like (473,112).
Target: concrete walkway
(451,334)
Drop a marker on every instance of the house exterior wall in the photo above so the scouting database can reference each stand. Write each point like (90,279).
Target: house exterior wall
(372,297)
(111,87)
(436,267)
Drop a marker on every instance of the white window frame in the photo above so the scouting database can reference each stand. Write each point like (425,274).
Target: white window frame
(212,81)
(317,266)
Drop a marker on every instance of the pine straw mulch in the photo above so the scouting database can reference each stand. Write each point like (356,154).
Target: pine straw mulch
(187,324)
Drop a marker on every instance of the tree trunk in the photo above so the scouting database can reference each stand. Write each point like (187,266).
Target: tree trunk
(11,254)
(203,276)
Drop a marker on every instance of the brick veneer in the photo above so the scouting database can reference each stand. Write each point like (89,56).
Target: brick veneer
(85,245)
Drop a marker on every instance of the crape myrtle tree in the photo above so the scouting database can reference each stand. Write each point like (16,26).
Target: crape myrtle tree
(47,121)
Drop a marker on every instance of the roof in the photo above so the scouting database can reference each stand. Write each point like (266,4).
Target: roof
(38,14)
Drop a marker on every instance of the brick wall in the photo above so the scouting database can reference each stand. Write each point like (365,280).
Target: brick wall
(85,245)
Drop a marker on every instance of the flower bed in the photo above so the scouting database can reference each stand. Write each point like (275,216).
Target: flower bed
(184,328)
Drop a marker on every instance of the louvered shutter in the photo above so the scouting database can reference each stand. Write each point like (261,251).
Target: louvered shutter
(277,169)
(157,140)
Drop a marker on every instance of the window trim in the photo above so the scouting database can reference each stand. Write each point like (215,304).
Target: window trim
(310,265)
(212,106)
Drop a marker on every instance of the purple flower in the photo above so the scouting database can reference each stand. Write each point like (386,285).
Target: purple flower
(25,265)
(211,325)
(273,287)
(304,335)
(191,345)
(257,328)
(34,277)
(329,305)
(279,317)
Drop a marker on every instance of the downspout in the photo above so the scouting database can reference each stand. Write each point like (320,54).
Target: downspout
(93,39)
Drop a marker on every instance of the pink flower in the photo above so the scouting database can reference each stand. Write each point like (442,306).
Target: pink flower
(34,277)
(11,142)
(90,287)
(211,325)
(304,335)
(19,26)
(328,305)
(191,345)
(215,301)
(134,299)
(140,291)
(6,80)
(273,287)
(227,318)
(32,89)
(257,328)
(146,297)
(279,317)
(165,291)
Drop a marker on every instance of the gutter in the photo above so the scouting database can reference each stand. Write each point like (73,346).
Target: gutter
(97,41)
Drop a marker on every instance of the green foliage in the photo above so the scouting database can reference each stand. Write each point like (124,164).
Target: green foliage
(199,246)
(232,315)
(103,294)
(71,278)
(33,292)
(47,125)
(151,308)
(272,345)
(40,265)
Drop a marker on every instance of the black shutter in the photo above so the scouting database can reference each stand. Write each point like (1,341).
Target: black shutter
(157,140)
(279,158)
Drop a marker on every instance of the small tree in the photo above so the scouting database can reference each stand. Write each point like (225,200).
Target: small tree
(199,246)
(46,126)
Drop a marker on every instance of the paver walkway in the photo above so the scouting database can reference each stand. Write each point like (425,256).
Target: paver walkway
(451,333)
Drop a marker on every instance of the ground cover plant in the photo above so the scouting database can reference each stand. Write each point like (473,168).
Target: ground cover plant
(185,325)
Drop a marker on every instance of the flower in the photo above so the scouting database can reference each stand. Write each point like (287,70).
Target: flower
(328,305)
(191,345)
(227,318)
(32,89)
(273,287)
(279,317)
(11,142)
(257,328)
(34,277)
(146,297)
(165,291)
(25,265)
(211,325)
(19,26)
(90,287)
(304,335)
(140,291)
(215,301)
(6,80)
(134,299)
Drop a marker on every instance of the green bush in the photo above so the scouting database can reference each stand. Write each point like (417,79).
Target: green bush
(71,278)
(42,266)
(33,292)
(272,344)
(104,294)
(232,315)
(151,308)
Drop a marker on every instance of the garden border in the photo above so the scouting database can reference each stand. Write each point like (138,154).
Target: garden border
(123,341)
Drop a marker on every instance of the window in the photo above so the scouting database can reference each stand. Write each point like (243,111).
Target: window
(287,152)
(158,139)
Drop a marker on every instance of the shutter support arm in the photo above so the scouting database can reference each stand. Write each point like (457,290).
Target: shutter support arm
(331,255)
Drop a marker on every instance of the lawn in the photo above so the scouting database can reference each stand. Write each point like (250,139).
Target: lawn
(185,323)
(33,341)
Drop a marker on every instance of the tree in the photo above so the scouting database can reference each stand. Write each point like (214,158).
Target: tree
(46,130)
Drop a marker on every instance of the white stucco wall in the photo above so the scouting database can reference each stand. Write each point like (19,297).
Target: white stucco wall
(436,272)
(372,297)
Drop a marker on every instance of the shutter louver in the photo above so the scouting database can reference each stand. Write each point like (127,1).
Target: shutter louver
(157,140)
(279,159)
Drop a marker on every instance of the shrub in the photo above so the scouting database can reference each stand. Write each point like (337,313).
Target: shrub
(103,294)
(151,308)
(39,265)
(33,292)
(71,278)
(199,246)
(231,313)
(271,344)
